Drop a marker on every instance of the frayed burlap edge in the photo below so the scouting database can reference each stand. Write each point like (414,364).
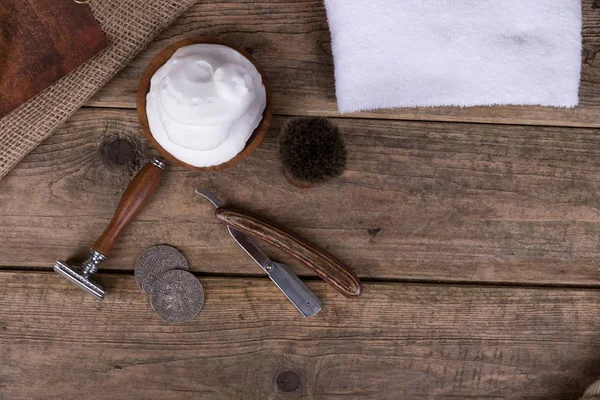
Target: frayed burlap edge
(128,25)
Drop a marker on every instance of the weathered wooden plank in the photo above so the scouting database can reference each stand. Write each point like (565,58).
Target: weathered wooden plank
(398,341)
(291,40)
(456,202)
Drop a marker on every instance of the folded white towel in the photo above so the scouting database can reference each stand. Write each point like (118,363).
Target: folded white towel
(406,53)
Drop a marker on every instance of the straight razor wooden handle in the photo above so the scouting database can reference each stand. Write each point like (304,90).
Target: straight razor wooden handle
(326,266)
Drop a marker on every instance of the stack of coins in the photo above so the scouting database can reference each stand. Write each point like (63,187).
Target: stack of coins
(176,295)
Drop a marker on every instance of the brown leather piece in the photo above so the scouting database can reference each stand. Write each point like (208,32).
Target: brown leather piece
(41,41)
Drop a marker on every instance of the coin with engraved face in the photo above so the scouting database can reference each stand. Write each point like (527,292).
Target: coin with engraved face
(154,262)
(177,296)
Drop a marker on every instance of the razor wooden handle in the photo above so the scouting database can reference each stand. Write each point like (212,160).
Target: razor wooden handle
(326,266)
(134,199)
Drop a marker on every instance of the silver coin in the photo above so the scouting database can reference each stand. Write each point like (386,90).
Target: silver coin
(154,262)
(177,296)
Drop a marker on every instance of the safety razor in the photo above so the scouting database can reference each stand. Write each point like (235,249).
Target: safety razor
(135,197)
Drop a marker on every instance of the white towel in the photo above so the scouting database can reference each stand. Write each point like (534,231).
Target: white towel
(407,53)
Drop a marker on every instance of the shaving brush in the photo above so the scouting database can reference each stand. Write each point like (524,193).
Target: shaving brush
(593,392)
(311,150)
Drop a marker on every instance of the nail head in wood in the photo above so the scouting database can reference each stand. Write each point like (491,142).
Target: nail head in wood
(288,381)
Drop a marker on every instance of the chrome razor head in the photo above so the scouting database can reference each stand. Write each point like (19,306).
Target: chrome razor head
(79,279)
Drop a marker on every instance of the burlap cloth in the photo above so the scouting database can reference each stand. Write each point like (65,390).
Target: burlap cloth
(129,25)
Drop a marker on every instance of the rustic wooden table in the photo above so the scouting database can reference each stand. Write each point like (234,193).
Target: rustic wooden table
(475,231)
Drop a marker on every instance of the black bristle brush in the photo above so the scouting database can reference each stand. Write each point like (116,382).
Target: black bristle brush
(311,150)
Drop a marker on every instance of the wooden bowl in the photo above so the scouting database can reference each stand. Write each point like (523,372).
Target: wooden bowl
(161,58)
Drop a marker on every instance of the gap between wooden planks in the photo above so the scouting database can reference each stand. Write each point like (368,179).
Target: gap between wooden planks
(291,41)
(419,201)
(398,341)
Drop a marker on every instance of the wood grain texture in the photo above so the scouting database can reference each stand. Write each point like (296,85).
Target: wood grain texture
(292,42)
(137,194)
(411,342)
(330,269)
(144,87)
(40,42)
(426,201)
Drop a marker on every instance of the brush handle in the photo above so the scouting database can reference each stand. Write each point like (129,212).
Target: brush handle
(134,199)
(323,264)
